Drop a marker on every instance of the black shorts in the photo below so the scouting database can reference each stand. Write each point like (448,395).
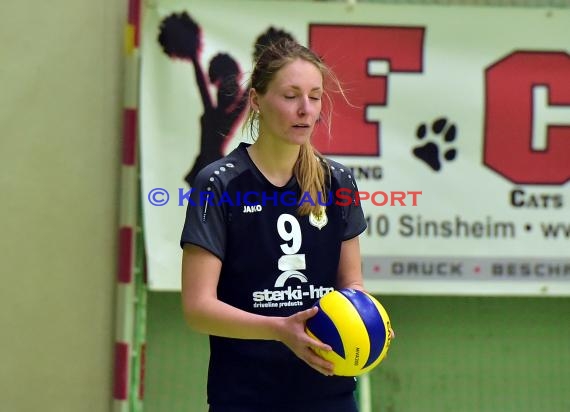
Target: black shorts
(344,403)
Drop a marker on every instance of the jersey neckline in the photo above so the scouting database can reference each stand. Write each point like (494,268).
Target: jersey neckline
(260,176)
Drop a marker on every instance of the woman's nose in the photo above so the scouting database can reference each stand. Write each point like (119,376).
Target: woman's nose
(303,106)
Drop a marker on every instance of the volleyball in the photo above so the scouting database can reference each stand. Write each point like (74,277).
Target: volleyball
(357,328)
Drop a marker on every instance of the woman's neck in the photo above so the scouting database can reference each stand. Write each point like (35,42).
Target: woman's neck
(275,160)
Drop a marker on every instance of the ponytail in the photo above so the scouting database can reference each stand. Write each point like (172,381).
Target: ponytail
(310,173)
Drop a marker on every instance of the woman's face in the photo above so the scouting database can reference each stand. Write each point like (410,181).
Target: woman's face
(292,104)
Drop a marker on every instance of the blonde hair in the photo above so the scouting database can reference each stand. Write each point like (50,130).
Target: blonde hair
(311,170)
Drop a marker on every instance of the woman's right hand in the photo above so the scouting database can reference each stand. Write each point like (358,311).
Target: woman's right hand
(292,333)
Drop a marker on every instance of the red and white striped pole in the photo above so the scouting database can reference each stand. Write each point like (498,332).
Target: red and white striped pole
(125,292)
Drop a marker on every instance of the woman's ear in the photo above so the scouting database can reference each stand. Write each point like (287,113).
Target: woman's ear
(253,100)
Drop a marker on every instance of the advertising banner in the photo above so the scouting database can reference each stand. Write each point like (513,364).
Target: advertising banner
(457,132)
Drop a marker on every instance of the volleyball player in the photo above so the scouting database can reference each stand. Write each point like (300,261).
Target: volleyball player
(264,238)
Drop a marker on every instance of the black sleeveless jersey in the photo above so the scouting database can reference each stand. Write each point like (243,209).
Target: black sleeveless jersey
(274,263)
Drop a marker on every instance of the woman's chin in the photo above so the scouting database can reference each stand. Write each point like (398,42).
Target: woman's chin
(299,138)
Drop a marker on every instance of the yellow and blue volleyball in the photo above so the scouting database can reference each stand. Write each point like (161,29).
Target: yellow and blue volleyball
(357,328)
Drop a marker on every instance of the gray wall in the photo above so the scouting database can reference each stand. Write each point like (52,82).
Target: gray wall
(60,135)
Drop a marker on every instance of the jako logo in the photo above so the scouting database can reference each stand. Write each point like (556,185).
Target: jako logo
(252,209)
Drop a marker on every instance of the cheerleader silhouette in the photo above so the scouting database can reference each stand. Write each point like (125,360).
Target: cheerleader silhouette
(181,38)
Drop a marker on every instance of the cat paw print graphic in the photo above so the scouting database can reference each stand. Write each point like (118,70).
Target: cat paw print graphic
(438,147)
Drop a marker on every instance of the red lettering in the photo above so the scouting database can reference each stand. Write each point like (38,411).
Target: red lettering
(414,194)
(397,197)
(348,49)
(340,194)
(383,194)
(509,118)
(361,196)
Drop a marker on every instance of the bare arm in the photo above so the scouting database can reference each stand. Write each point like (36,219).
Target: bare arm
(350,268)
(350,265)
(205,313)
